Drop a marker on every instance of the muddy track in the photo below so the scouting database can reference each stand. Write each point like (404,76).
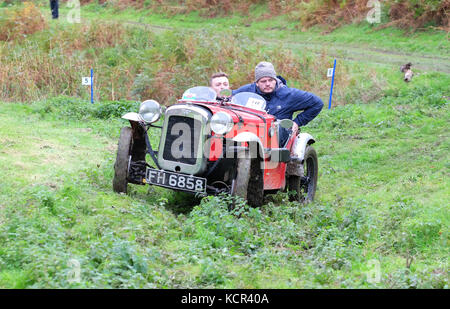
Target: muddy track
(371,55)
(375,55)
(349,52)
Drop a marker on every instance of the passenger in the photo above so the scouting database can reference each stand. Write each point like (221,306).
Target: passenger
(282,101)
(218,82)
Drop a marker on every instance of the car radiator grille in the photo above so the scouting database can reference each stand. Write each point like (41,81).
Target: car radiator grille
(182,140)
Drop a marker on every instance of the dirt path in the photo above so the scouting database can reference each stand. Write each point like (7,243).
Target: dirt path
(349,52)
(346,52)
(372,55)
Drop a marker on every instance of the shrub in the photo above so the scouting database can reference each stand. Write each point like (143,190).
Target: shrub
(112,109)
(18,23)
(74,108)
(418,13)
(65,107)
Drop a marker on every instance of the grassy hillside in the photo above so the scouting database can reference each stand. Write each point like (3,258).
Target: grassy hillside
(383,195)
(258,26)
(383,189)
(410,14)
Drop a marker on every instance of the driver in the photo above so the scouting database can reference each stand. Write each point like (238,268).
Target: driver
(282,101)
(218,82)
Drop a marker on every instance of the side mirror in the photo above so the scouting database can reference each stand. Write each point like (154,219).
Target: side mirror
(286,123)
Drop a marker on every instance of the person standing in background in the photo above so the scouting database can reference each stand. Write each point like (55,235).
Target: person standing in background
(54,6)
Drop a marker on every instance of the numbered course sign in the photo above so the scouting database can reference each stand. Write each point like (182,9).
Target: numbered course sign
(330,72)
(89,81)
(86,81)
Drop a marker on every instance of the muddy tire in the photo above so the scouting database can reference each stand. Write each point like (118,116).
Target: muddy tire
(120,181)
(303,189)
(249,181)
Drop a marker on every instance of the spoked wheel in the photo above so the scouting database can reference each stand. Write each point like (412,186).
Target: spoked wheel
(249,181)
(304,187)
(120,181)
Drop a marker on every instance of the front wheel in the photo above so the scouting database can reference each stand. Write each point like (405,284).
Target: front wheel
(120,180)
(304,187)
(249,181)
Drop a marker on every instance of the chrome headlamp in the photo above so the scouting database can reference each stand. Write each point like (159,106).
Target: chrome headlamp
(221,123)
(150,111)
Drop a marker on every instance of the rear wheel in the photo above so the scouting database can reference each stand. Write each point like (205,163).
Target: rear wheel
(249,181)
(304,187)
(120,181)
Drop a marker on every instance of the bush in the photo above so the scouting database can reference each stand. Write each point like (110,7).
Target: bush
(74,108)
(18,23)
(114,109)
(65,107)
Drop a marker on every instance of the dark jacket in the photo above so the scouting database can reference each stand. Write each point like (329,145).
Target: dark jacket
(285,101)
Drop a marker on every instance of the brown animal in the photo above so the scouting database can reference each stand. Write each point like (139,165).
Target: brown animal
(406,68)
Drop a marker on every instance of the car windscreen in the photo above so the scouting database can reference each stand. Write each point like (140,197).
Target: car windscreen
(200,93)
(250,100)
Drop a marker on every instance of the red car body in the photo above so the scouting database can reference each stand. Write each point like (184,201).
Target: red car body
(216,146)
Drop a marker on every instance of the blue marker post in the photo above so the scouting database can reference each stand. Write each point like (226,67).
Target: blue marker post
(92,86)
(332,84)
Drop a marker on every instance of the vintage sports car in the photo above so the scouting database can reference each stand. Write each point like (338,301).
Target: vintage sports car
(210,145)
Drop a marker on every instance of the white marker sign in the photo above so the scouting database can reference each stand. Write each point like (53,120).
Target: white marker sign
(255,103)
(330,72)
(86,81)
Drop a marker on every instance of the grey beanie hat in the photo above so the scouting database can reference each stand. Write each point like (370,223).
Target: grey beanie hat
(264,69)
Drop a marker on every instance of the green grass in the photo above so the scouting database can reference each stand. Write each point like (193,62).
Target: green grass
(383,189)
(382,195)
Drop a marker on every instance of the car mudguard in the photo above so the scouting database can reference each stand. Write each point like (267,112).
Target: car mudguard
(299,147)
(295,167)
(252,138)
(133,117)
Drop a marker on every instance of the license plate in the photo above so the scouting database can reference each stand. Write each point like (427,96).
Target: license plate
(175,180)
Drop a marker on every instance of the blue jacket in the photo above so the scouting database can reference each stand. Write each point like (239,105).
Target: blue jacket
(284,101)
